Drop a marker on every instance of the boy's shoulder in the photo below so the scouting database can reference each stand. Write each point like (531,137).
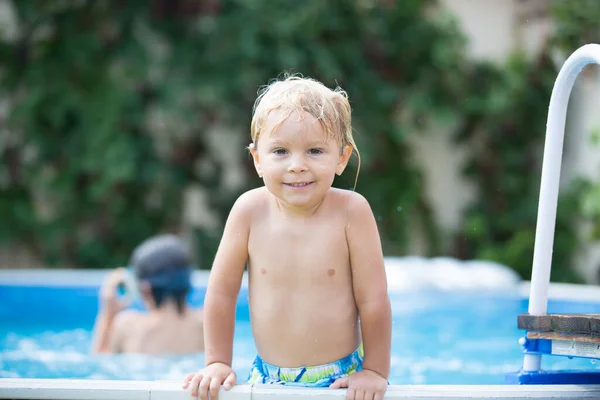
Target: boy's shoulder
(254,195)
(352,204)
(128,317)
(198,315)
(252,199)
(249,204)
(346,198)
(123,325)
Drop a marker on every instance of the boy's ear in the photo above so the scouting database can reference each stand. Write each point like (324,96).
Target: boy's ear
(254,153)
(146,293)
(145,287)
(343,160)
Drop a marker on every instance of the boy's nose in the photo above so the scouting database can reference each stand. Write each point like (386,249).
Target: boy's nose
(297,164)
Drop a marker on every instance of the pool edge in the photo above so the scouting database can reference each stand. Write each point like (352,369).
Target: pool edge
(93,278)
(68,389)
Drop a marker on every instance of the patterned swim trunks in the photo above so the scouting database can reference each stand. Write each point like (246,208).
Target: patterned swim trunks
(317,376)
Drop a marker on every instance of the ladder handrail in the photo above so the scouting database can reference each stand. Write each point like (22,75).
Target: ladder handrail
(548,200)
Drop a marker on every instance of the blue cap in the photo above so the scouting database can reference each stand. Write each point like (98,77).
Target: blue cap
(163,262)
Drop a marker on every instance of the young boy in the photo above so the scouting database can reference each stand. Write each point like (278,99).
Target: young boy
(315,263)
(162,271)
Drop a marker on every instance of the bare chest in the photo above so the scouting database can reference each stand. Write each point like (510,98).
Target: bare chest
(304,251)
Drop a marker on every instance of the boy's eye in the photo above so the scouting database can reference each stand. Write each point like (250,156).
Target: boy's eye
(315,151)
(280,152)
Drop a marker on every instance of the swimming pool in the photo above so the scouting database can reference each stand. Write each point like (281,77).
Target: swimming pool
(441,335)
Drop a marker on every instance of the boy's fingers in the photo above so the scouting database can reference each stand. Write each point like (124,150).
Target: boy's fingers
(215,384)
(187,379)
(350,394)
(230,381)
(194,385)
(378,396)
(340,383)
(203,388)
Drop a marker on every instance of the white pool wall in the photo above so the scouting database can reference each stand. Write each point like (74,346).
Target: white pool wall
(62,389)
(404,274)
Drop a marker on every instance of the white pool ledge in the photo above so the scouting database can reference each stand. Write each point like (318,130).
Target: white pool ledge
(66,389)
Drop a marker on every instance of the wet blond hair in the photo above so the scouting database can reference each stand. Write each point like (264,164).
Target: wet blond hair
(296,94)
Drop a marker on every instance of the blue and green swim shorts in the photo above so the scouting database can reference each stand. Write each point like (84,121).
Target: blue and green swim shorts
(315,376)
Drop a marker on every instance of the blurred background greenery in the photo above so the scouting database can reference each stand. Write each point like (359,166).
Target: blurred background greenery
(124,119)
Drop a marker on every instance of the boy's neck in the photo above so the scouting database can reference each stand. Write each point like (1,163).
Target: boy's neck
(168,307)
(297,212)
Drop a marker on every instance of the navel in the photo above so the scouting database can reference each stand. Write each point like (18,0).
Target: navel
(331,272)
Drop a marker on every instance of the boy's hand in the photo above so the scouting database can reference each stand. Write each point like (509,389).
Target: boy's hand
(108,292)
(365,384)
(210,380)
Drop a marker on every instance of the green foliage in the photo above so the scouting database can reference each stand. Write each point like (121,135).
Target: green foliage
(576,23)
(112,105)
(78,80)
(505,117)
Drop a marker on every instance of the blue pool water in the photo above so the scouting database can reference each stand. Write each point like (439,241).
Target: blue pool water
(439,337)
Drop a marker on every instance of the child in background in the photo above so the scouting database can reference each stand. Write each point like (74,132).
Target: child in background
(319,307)
(162,269)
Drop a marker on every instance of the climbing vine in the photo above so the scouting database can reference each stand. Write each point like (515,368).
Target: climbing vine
(111,105)
(505,119)
(111,109)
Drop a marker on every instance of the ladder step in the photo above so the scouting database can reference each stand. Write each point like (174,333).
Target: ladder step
(570,337)
(586,324)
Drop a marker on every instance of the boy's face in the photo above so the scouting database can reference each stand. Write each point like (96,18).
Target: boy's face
(298,161)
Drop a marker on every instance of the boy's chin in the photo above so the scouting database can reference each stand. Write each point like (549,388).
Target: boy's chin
(303,200)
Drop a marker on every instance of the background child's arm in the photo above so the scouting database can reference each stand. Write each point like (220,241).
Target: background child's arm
(103,335)
(224,284)
(369,285)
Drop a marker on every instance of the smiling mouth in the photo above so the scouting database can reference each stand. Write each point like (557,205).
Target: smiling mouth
(298,184)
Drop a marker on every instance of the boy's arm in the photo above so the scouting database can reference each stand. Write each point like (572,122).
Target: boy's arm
(369,285)
(224,284)
(123,326)
(109,310)
(110,332)
(101,333)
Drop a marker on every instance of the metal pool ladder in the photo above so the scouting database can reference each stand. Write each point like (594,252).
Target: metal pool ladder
(572,335)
